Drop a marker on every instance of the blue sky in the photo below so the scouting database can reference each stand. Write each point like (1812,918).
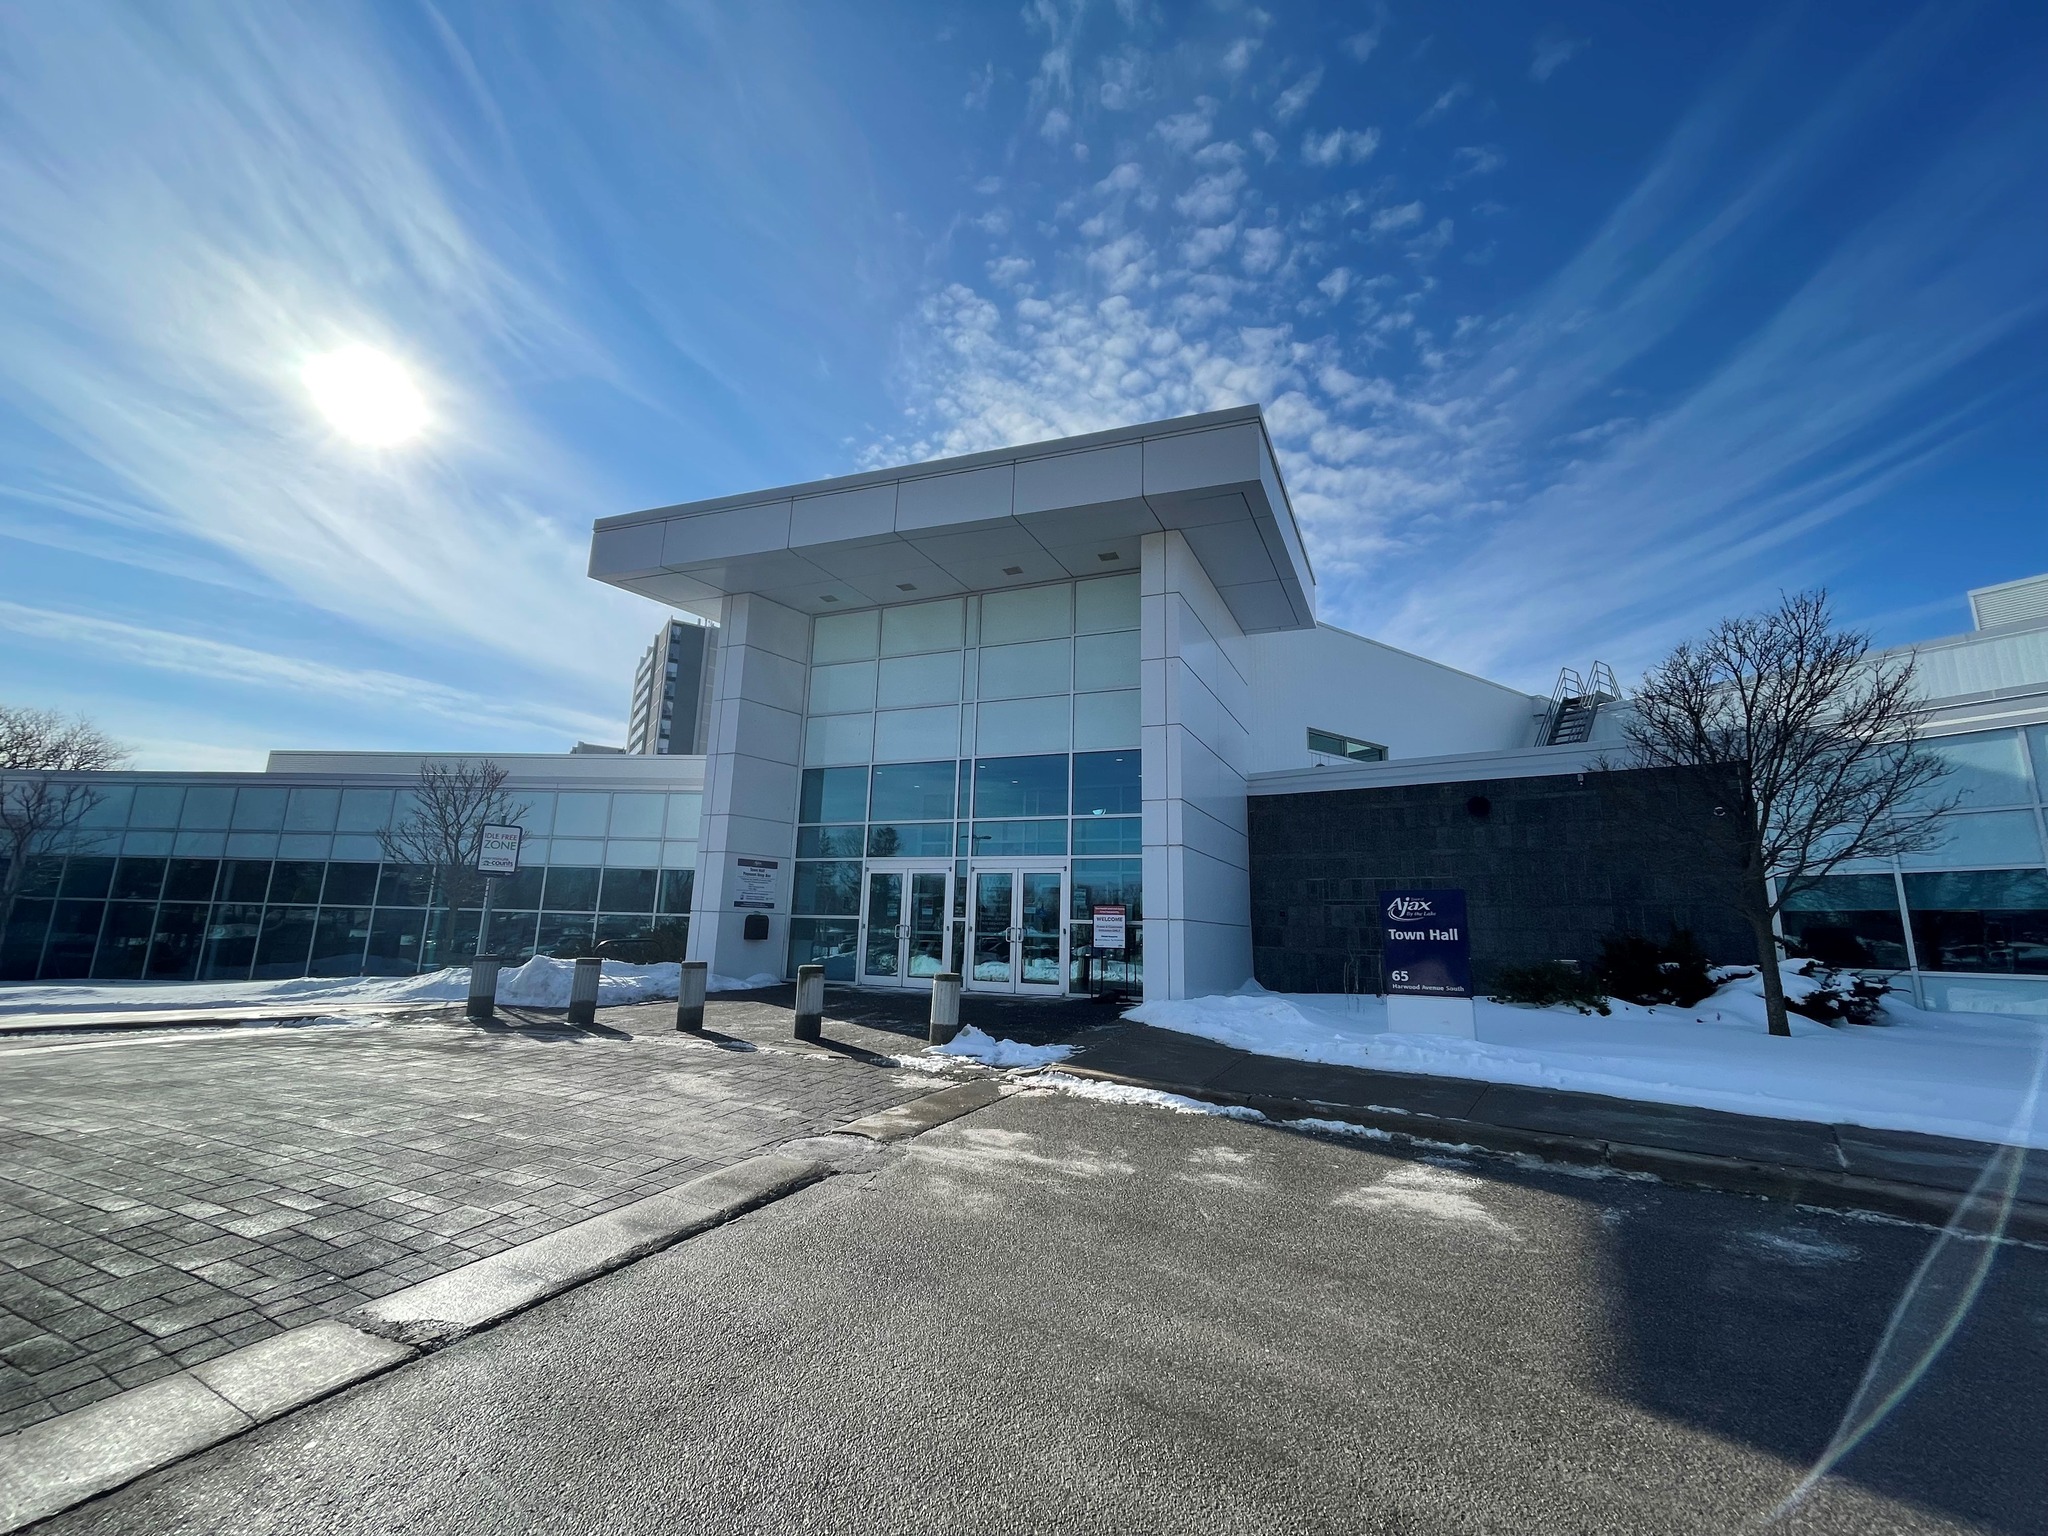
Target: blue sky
(1576,326)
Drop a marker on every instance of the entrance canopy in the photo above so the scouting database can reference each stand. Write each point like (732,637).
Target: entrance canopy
(1076,506)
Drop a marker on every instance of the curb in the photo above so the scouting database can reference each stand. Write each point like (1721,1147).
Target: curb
(1829,1190)
(54,1466)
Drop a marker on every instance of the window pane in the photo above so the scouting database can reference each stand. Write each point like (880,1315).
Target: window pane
(1994,920)
(21,945)
(109,807)
(565,934)
(1109,603)
(1985,769)
(190,879)
(124,941)
(575,850)
(364,810)
(230,942)
(259,810)
(350,885)
(911,840)
(180,935)
(627,890)
(912,792)
(1106,661)
(677,886)
(1108,784)
(1027,671)
(1110,834)
(572,890)
(74,934)
(1028,613)
(1990,837)
(1021,786)
(511,935)
(306,845)
(845,689)
(636,815)
(2037,738)
(1106,720)
(843,637)
(312,808)
(917,733)
(357,848)
(138,879)
(207,809)
(996,838)
(828,889)
(1108,883)
(830,842)
(395,942)
(252,845)
(285,942)
(156,805)
(635,854)
(813,941)
(839,739)
(149,844)
(89,878)
(1850,920)
(521,890)
(1023,725)
(403,885)
(538,819)
(685,815)
(916,627)
(581,815)
(833,794)
(908,681)
(244,880)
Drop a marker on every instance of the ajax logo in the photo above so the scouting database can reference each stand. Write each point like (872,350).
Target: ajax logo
(1404,908)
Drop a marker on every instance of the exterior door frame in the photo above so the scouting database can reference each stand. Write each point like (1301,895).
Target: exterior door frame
(1016,868)
(904,870)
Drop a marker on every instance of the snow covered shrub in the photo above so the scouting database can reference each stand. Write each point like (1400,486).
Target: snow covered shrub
(1549,984)
(1642,970)
(1829,996)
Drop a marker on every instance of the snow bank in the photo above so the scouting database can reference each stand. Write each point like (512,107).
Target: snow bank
(1124,1093)
(541,982)
(972,1044)
(1977,1076)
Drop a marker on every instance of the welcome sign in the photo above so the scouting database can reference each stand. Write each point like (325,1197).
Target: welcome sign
(1428,948)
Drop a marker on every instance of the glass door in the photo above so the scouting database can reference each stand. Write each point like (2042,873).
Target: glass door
(905,914)
(1019,931)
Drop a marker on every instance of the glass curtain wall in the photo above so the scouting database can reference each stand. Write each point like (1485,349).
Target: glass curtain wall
(1973,907)
(1002,725)
(181,881)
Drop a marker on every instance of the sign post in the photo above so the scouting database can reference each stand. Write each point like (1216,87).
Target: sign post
(497,853)
(1427,948)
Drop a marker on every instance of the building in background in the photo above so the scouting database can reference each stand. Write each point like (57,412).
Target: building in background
(671,711)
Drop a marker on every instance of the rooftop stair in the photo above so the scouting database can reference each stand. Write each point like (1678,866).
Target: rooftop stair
(1574,704)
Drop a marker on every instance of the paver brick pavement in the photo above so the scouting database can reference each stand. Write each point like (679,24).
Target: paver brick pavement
(162,1204)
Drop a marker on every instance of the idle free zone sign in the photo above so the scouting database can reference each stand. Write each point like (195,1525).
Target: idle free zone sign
(1427,947)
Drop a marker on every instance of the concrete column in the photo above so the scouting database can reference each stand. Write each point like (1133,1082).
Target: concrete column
(810,1001)
(583,990)
(690,996)
(945,1008)
(751,771)
(1195,669)
(483,988)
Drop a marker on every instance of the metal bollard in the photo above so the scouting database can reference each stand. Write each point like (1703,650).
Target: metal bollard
(945,1008)
(810,1001)
(483,988)
(583,990)
(690,996)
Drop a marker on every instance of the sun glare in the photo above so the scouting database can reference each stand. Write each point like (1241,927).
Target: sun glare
(367,395)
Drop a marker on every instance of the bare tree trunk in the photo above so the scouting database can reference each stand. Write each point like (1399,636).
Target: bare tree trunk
(1774,980)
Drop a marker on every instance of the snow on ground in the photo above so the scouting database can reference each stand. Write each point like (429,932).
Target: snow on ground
(1124,1093)
(1973,1075)
(541,982)
(973,1044)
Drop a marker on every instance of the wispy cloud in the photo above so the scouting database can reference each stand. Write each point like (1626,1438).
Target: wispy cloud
(1340,146)
(1551,54)
(1287,106)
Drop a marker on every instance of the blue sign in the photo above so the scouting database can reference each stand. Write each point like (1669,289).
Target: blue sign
(1428,948)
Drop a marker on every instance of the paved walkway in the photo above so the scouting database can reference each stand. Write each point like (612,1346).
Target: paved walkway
(165,1199)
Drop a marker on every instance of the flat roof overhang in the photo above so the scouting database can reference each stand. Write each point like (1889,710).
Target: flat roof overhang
(1012,517)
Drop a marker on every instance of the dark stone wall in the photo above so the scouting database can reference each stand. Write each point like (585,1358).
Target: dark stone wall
(1552,866)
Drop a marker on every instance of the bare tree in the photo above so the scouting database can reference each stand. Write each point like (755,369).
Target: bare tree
(1817,747)
(443,832)
(38,808)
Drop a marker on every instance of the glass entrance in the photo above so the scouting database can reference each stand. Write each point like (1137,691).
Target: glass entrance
(1019,934)
(904,924)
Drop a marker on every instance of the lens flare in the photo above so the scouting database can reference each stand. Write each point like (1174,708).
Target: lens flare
(366,395)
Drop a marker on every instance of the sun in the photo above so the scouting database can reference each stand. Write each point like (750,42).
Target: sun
(367,395)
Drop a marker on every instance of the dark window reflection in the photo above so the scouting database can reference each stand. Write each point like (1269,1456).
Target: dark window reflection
(1986,920)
